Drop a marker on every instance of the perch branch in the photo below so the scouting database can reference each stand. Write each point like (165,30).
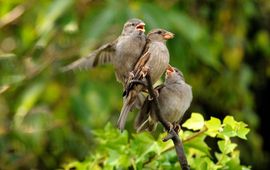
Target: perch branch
(174,136)
(191,137)
(204,129)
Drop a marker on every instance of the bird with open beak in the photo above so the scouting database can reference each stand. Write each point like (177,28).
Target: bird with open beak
(122,53)
(154,61)
(174,98)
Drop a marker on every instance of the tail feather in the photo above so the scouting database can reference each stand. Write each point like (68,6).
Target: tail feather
(149,125)
(143,115)
(127,106)
(143,126)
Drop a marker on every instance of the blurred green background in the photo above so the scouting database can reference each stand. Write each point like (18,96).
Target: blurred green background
(46,117)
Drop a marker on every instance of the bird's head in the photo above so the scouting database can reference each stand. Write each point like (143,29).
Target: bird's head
(160,35)
(174,74)
(134,26)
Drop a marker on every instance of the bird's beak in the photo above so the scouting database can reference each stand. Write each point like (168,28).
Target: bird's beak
(168,35)
(170,70)
(140,27)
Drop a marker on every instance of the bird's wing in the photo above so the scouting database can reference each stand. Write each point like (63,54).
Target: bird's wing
(138,69)
(143,115)
(102,55)
(145,109)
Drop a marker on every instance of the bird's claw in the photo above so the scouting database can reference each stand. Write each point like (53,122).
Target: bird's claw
(177,128)
(156,93)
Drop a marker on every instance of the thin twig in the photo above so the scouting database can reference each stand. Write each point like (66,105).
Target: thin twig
(204,129)
(178,145)
(189,138)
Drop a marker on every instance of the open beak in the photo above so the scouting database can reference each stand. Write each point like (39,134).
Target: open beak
(169,70)
(140,27)
(168,35)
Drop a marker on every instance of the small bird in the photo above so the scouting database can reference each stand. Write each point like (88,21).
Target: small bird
(122,53)
(174,98)
(154,60)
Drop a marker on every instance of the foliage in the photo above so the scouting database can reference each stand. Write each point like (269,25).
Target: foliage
(141,151)
(46,118)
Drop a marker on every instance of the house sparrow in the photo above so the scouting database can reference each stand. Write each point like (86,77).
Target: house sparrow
(123,53)
(174,99)
(154,60)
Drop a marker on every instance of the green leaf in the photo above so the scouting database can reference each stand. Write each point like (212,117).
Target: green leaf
(226,146)
(204,163)
(228,131)
(144,146)
(229,120)
(199,144)
(196,122)
(222,158)
(214,126)
(233,128)
(242,131)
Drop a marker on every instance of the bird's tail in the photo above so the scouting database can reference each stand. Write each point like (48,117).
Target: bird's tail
(127,106)
(149,125)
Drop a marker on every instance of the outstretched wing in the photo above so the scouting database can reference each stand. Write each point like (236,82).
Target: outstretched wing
(102,55)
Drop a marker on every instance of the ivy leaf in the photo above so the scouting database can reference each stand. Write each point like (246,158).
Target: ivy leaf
(213,125)
(111,137)
(242,131)
(199,144)
(226,146)
(222,158)
(144,146)
(204,163)
(196,122)
(229,120)
(228,131)
(233,128)
(233,165)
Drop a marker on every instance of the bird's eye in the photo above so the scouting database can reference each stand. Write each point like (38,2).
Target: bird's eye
(159,32)
(133,24)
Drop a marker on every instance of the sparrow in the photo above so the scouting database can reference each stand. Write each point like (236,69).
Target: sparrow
(154,61)
(122,53)
(174,98)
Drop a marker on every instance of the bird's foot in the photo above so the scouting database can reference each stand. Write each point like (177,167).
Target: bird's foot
(177,128)
(156,93)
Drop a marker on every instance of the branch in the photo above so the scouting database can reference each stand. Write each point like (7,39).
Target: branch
(204,129)
(191,137)
(178,145)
